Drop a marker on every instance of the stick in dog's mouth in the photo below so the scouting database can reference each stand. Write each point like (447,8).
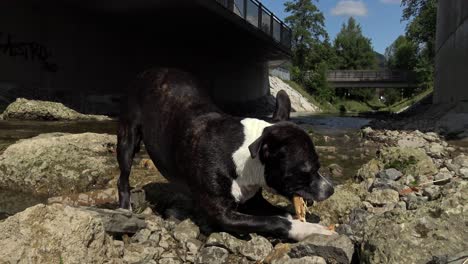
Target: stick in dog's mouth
(300,206)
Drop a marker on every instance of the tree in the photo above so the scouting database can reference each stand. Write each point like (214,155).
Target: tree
(308,28)
(421,30)
(353,50)
(312,51)
(401,54)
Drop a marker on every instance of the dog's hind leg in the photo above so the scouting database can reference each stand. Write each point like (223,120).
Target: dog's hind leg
(128,143)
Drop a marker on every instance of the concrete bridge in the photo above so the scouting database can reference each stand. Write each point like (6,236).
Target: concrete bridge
(84,53)
(370,79)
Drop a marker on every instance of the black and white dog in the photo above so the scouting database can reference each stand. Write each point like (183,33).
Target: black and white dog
(225,160)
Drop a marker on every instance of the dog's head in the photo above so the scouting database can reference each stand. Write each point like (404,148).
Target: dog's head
(291,163)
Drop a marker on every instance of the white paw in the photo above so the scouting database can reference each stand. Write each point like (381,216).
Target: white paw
(300,230)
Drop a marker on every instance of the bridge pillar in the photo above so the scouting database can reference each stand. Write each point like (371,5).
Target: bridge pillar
(240,82)
(451,70)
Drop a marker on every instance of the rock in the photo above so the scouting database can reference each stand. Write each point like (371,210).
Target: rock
(58,163)
(339,205)
(413,142)
(386,184)
(390,174)
(186,230)
(461,161)
(47,234)
(23,109)
(137,253)
(431,136)
(308,260)
(367,131)
(329,149)
(226,241)
(413,201)
(464,173)
(443,177)
(256,249)
(432,192)
(408,160)
(435,228)
(369,170)
(192,248)
(336,170)
(141,236)
(92,198)
(383,197)
(215,255)
(436,150)
(334,249)
(452,167)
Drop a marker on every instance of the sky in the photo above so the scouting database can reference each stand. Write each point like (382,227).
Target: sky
(380,19)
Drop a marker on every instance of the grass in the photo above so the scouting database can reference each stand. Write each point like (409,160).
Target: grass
(353,106)
(407,102)
(324,106)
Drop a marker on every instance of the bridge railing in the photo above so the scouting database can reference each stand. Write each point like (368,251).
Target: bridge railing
(255,13)
(367,75)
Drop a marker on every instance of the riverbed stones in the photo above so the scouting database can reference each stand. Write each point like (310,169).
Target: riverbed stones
(226,241)
(53,234)
(334,249)
(435,228)
(24,109)
(432,192)
(59,163)
(186,230)
(256,249)
(383,197)
(408,160)
(215,255)
(443,177)
(339,205)
(390,174)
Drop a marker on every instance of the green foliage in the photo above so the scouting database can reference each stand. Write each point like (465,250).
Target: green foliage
(401,164)
(401,54)
(421,31)
(312,51)
(308,28)
(353,50)
(392,95)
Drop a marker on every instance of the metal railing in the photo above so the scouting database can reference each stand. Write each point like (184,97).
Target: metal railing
(255,13)
(368,75)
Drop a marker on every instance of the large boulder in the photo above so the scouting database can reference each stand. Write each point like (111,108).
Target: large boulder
(24,109)
(335,209)
(59,163)
(409,161)
(54,234)
(436,228)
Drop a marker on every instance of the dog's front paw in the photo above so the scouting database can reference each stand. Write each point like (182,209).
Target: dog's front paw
(300,230)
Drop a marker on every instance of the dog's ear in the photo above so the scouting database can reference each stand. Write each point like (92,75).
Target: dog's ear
(254,148)
(283,107)
(259,145)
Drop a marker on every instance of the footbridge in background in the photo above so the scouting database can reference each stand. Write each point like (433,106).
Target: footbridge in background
(370,79)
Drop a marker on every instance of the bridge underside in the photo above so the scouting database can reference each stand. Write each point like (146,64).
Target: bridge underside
(371,85)
(85,53)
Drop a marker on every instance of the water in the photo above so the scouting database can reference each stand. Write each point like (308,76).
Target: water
(337,140)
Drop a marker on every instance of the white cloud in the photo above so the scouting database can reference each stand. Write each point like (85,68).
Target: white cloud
(350,8)
(391,1)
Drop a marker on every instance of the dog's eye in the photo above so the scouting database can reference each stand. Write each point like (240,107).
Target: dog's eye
(306,168)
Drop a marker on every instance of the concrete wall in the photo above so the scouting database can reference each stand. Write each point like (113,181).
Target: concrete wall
(451,80)
(86,59)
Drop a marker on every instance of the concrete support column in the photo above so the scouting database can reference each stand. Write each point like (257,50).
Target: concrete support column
(240,82)
(451,71)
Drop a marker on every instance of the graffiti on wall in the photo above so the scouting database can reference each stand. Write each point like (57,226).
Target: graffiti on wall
(30,51)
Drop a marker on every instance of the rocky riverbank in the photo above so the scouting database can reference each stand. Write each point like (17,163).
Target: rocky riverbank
(407,204)
(24,109)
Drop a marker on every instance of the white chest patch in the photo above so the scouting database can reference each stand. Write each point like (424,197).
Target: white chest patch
(250,172)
